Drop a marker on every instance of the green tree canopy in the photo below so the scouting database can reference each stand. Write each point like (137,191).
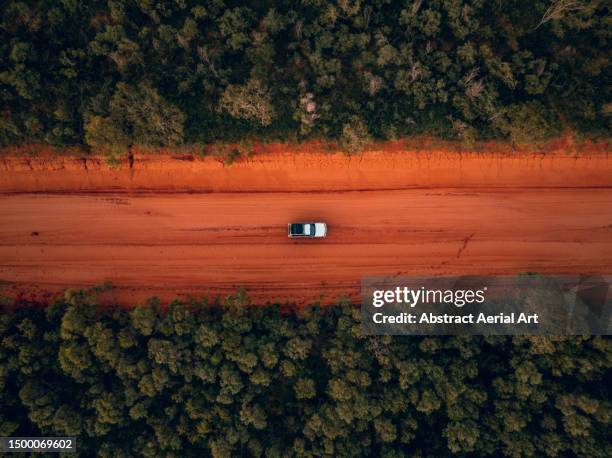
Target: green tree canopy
(232,379)
(91,72)
(136,115)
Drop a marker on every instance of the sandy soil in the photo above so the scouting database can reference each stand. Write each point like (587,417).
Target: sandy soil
(211,243)
(174,223)
(310,167)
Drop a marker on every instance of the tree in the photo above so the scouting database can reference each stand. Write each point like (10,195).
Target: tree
(201,379)
(559,8)
(355,136)
(526,124)
(251,101)
(300,70)
(136,115)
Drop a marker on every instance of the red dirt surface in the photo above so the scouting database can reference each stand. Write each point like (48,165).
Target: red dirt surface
(309,167)
(388,212)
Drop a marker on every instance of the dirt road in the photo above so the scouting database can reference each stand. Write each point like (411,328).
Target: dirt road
(211,243)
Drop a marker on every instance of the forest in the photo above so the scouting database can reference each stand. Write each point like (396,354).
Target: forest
(109,74)
(231,379)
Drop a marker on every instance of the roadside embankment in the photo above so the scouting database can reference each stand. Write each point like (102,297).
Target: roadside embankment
(281,168)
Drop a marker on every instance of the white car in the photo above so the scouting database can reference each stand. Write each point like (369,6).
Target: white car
(307,229)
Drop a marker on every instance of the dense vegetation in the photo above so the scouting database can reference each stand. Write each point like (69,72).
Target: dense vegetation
(161,72)
(231,380)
